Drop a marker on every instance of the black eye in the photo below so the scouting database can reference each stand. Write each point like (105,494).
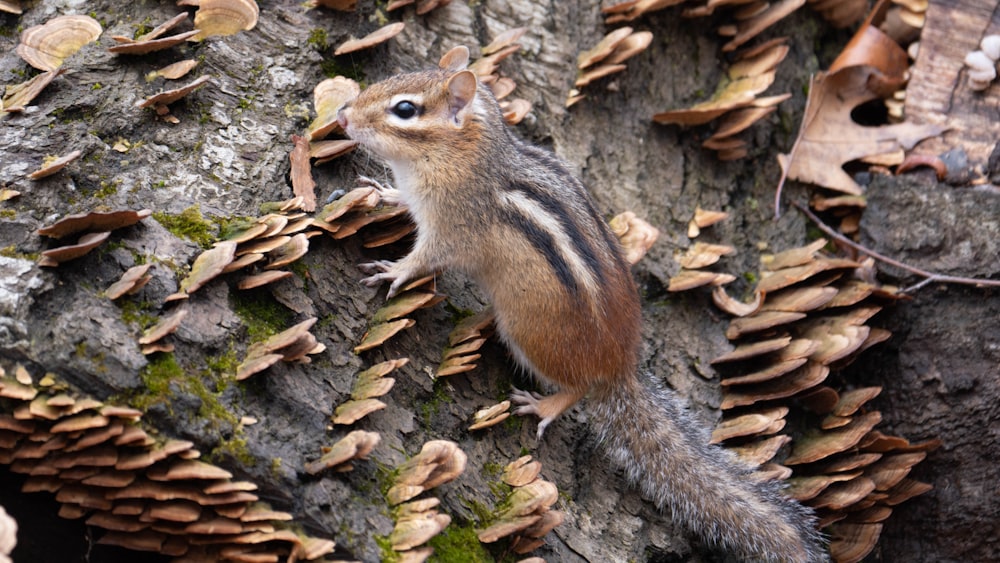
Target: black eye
(405,109)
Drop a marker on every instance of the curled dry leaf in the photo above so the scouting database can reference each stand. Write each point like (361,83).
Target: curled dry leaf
(378,36)
(303,184)
(170,96)
(46,46)
(871,66)
(51,166)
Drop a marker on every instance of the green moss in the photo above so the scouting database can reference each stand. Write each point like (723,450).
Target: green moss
(156,377)
(8,214)
(388,555)
(430,408)
(318,39)
(189,224)
(10,251)
(96,86)
(331,68)
(233,448)
(750,277)
(300,269)
(140,313)
(484,515)
(224,365)
(459,544)
(276,466)
(107,189)
(262,317)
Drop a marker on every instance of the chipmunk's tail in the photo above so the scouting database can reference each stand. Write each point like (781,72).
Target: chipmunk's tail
(648,433)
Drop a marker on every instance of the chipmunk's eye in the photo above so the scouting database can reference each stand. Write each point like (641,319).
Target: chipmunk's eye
(405,109)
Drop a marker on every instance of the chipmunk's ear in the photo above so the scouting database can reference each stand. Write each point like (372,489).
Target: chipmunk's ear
(461,93)
(455,59)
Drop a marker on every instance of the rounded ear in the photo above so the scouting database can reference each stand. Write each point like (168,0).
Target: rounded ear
(455,59)
(461,93)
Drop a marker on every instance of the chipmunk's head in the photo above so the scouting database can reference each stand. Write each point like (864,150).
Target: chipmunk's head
(423,116)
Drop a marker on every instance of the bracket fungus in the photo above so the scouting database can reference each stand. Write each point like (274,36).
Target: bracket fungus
(53,165)
(528,516)
(355,445)
(145,494)
(438,462)
(47,46)
(380,35)
(223,17)
(810,319)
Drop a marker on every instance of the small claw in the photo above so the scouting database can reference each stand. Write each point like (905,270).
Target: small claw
(373,281)
(376,267)
(373,183)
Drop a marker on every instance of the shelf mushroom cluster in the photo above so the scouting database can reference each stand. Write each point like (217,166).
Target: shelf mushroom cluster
(147,494)
(528,515)
(809,317)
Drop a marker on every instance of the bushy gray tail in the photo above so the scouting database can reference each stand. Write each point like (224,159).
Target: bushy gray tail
(648,433)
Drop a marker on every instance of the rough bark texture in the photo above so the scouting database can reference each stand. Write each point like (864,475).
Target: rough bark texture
(230,153)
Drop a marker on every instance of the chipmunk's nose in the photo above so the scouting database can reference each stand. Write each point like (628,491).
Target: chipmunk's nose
(342,117)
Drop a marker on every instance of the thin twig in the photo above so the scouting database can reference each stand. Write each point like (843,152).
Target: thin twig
(930,277)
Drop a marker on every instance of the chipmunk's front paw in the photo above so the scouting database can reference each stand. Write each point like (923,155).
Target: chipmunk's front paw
(389,194)
(384,270)
(528,404)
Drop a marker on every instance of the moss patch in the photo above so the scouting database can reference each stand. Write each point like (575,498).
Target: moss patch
(189,224)
(459,545)
(262,317)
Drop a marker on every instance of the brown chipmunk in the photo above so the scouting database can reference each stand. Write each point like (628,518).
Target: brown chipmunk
(513,218)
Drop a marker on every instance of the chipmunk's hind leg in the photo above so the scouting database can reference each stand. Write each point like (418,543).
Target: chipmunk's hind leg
(546,408)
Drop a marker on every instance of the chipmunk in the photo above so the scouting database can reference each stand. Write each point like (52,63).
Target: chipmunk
(514,219)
